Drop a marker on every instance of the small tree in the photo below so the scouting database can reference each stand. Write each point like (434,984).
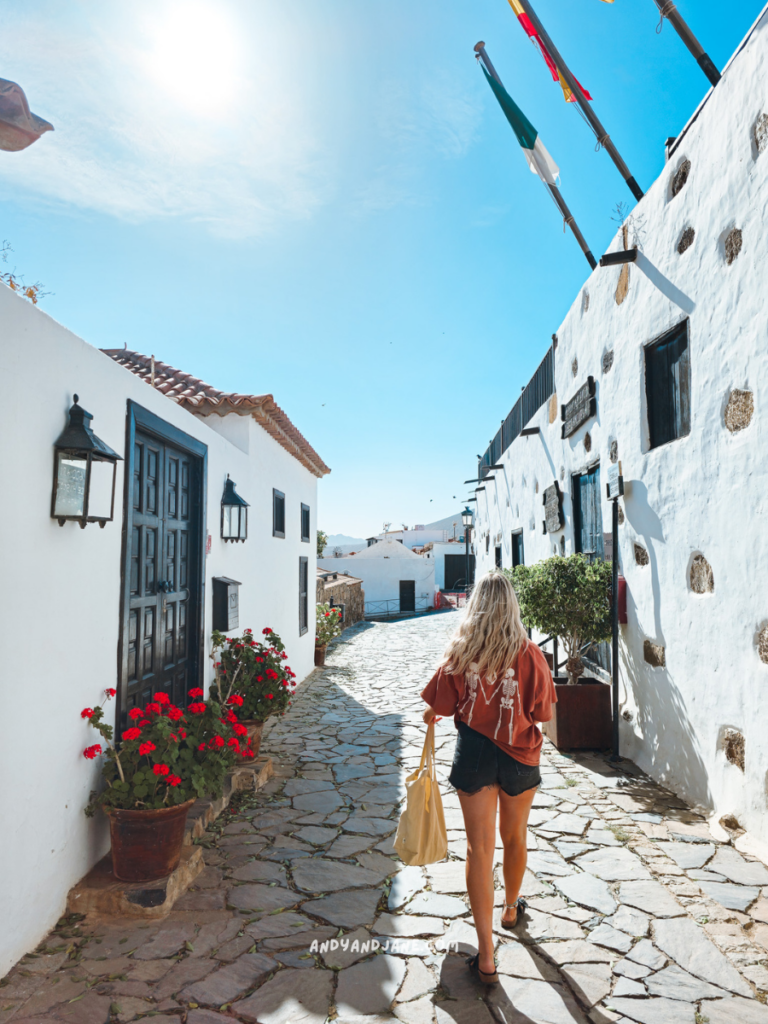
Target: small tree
(322,541)
(567,598)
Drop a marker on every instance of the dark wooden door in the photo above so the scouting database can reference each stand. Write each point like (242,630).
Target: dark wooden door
(407,595)
(164,590)
(455,573)
(588,528)
(518,554)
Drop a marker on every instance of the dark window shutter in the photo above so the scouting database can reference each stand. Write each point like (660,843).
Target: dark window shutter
(278,513)
(305,522)
(668,386)
(303,596)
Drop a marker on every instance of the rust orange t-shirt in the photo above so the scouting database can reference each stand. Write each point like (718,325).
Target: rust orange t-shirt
(505,709)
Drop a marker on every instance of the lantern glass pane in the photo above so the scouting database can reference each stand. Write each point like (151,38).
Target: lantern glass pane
(70,485)
(226,521)
(100,493)
(243,522)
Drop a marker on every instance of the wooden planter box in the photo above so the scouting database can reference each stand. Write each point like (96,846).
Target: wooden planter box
(582,716)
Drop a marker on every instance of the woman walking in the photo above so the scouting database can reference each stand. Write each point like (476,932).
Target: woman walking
(497,685)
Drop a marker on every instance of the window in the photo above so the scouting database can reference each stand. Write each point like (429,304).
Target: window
(305,522)
(498,556)
(668,386)
(487,543)
(303,596)
(518,555)
(278,513)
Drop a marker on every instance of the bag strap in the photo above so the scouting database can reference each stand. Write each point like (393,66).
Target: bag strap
(428,753)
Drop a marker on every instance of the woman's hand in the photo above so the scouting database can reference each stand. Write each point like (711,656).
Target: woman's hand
(430,715)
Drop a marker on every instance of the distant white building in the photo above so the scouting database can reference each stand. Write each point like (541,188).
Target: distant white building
(450,560)
(394,578)
(415,538)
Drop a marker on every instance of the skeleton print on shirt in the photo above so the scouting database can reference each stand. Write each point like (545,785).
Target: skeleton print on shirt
(509,690)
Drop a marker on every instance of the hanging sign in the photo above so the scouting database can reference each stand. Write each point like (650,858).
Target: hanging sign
(582,407)
(615,485)
(553,509)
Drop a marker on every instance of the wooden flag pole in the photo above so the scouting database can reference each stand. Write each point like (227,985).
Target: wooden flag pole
(554,191)
(602,135)
(668,10)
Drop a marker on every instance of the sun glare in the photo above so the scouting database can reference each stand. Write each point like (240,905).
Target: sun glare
(194,56)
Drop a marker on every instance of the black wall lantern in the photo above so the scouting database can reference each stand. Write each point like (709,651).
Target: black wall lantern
(234,513)
(83,473)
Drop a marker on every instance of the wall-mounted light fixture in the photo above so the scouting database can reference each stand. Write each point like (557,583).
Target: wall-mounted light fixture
(234,514)
(84,473)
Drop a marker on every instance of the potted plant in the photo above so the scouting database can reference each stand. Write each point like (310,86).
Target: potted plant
(253,676)
(568,598)
(328,628)
(165,760)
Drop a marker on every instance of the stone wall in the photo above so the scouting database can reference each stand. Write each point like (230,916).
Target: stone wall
(351,595)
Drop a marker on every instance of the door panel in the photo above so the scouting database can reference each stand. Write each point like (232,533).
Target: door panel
(407,595)
(164,585)
(588,530)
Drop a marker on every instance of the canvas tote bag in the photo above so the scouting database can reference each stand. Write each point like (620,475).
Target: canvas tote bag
(421,837)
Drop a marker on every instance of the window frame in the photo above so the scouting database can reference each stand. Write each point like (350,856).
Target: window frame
(303,595)
(674,390)
(308,510)
(518,545)
(275,496)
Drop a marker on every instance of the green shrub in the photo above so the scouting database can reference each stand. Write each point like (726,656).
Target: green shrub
(567,598)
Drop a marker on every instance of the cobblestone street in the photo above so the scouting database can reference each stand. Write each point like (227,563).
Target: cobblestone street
(637,911)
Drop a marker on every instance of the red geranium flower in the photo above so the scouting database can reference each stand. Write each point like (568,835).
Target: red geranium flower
(201,746)
(153,707)
(161,698)
(131,734)
(196,692)
(270,696)
(135,713)
(174,737)
(197,709)
(160,769)
(175,713)
(86,712)
(173,780)
(247,753)
(239,730)
(182,734)
(144,721)
(231,717)
(247,630)
(110,691)
(266,631)
(236,699)
(147,748)
(283,655)
(259,679)
(91,752)
(216,741)
(233,742)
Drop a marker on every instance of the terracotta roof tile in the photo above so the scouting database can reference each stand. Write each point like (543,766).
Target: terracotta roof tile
(204,400)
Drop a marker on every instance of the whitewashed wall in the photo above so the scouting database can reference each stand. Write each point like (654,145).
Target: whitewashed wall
(60,596)
(382,566)
(706,493)
(438,553)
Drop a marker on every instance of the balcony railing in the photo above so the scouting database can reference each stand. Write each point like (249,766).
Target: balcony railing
(380,609)
(540,387)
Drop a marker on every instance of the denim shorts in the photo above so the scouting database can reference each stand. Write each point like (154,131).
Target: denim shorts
(478,762)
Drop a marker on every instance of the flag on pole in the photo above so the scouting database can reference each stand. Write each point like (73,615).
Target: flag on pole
(539,160)
(19,127)
(533,35)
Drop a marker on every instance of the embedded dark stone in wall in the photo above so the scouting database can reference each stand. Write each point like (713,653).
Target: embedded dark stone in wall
(626,714)
(641,555)
(613,453)
(654,654)
(702,577)
(587,442)
(621,516)
(622,288)
(562,472)
(585,301)
(739,410)
(575,367)
(562,544)
(733,747)
(762,644)
(681,176)
(733,245)
(686,240)
(553,408)
(607,360)
(761,133)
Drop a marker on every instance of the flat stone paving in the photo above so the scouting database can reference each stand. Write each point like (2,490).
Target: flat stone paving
(638,913)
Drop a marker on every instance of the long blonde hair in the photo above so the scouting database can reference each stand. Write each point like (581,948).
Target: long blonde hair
(491,633)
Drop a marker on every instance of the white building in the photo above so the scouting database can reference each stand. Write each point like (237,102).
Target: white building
(128,605)
(415,538)
(676,344)
(450,560)
(394,578)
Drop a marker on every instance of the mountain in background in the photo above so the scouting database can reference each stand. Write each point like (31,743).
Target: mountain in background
(341,539)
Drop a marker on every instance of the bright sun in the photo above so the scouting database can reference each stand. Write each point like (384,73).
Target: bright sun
(194,55)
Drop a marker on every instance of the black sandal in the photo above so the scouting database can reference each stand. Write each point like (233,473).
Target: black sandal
(487,979)
(520,906)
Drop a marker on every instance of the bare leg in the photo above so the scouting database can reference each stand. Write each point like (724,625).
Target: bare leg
(479,812)
(513,824)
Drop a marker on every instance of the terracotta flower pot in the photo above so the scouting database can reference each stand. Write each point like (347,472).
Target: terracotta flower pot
(255,730)
(146,845)
(320,655)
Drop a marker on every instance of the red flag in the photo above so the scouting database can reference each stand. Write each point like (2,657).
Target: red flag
(531,32)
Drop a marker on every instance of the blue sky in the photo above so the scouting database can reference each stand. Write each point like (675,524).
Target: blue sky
(323,202)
